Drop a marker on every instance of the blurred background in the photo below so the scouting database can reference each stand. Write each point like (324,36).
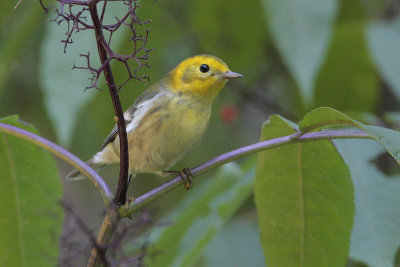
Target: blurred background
(342,54)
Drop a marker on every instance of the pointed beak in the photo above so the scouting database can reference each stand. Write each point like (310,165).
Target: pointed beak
(230,75)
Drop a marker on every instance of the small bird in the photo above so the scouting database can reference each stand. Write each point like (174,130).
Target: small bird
(168,119)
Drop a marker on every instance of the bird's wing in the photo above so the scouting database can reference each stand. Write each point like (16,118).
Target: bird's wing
(133,111)
(111,136)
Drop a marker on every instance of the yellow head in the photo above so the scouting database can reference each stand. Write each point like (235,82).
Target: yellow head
(202,76)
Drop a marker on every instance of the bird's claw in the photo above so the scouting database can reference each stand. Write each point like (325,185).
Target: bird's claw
(186,176)
(186,173)
(128,201)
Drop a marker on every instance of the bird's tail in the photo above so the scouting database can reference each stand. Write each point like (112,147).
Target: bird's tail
(75,174)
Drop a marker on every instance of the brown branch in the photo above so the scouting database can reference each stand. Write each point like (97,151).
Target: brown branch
(76,21)
(74,13)
(120,196)
(85,229)
(107,229)
(112,218)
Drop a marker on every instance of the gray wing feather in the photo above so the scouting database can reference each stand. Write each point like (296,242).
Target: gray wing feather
(110,137)
(129,114)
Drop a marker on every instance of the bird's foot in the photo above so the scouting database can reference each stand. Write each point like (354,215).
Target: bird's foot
(186,176)
(128,201)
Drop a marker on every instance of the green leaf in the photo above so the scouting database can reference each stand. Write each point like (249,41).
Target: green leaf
(325,116)
(30,188)
(64,94)
(226,33)
(376,233)
(388,138)
(236,245)
(207,210)
(304,199)
(22,26)
(5,7)
(352,10)
(301,30)
(348,80)
(384,43)
(63,88)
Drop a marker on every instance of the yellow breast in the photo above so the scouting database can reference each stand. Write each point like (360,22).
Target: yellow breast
(171,116)
(168,130)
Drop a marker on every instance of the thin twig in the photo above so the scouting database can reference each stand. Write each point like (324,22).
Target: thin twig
(74,12)
(234,155)
(86,3)
(17,4)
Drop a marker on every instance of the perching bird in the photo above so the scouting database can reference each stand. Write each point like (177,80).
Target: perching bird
(169,118)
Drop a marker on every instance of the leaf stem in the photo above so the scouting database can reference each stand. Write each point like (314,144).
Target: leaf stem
(63,154)
(236,154)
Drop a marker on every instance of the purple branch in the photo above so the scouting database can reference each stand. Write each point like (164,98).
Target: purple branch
(83,3)
(174,182)
(63,154)
(236,154)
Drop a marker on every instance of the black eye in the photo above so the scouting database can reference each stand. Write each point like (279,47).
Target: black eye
(204,68)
